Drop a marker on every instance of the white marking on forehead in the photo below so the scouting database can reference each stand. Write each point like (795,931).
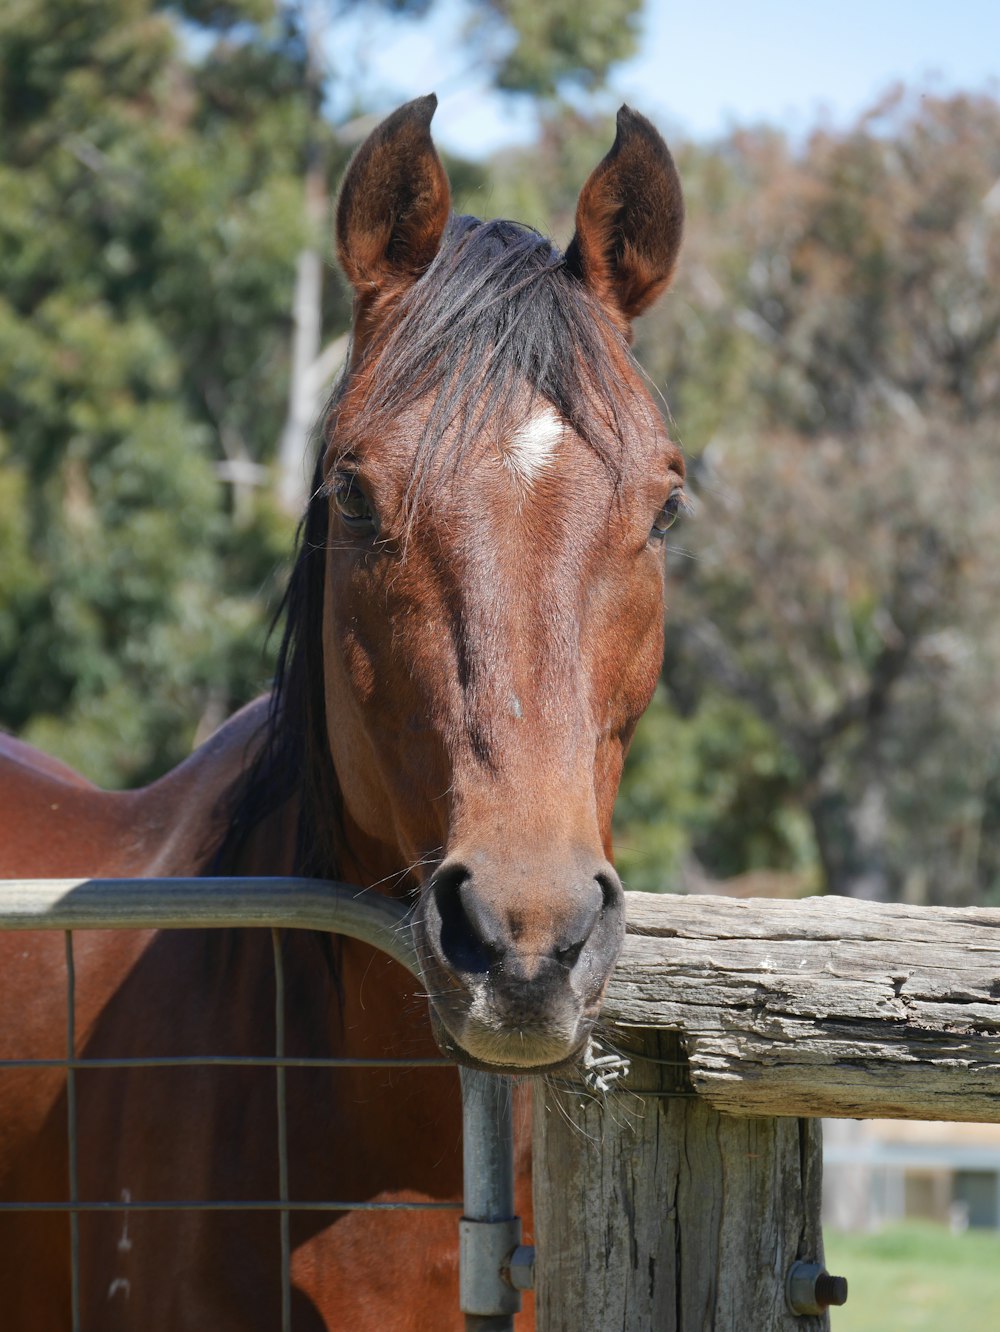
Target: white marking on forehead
(529,450)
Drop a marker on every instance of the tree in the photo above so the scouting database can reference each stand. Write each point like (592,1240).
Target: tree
(148,240)
(541,48)
(836,373)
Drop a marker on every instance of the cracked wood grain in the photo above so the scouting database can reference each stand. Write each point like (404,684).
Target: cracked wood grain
(655,1213)
(825,1006)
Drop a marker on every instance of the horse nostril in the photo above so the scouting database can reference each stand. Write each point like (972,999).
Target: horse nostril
(589,928)
(469,935)
(611,889)
(569,955)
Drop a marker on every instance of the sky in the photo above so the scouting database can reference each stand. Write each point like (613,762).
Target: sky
(702,67)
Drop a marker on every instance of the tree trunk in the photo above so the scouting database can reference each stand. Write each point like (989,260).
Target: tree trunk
(307,307)
(850,837)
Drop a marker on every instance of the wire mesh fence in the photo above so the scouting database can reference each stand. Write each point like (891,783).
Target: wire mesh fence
(276,905)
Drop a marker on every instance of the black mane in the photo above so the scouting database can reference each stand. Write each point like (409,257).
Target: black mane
(497,313)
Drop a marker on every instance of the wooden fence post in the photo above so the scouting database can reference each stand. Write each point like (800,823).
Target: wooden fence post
(656,1213)
(660,1211)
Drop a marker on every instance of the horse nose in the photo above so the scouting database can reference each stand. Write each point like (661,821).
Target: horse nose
(476,930)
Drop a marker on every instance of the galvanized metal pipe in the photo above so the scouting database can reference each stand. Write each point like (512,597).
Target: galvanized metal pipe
(281,1099)
(71,1136)
(170,904)
(489,1230)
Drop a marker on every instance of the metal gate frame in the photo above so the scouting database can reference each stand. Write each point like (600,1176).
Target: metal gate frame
(494,1266)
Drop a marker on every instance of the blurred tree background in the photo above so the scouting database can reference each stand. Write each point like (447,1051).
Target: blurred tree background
(830,711)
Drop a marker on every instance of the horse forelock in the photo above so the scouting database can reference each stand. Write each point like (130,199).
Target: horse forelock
(496,317)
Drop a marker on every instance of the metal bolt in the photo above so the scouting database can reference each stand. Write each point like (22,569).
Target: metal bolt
(810,1289)
(519,1269)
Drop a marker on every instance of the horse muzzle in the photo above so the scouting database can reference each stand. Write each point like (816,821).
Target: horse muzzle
(516,979)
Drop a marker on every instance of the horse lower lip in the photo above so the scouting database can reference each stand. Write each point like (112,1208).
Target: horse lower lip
(554,1054)
(452,1050)
(515,1070)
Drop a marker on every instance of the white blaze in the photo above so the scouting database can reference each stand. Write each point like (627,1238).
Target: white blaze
(530,448)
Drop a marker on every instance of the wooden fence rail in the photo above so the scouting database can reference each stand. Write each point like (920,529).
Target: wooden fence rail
(826,1006)
(681,1203)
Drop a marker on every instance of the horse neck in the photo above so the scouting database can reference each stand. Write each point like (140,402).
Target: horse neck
(352,999)
(53,824)
(187,811)
(383,1011)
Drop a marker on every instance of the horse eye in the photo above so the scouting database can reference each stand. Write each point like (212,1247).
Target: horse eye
(352,503)
(666,517)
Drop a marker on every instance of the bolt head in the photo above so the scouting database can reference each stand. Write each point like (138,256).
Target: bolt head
(810,1289)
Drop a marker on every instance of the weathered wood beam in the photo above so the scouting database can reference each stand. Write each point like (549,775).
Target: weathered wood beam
(825,1006)
(654,1211)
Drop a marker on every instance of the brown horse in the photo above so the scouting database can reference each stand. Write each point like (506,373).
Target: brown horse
(473,628)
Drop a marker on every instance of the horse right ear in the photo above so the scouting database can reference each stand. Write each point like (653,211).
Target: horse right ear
(629,221)
(394,204)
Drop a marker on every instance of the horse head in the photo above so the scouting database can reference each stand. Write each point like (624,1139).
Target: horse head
(499,481)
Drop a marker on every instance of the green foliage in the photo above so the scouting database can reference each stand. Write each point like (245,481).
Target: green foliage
(539,185)
(716,786)
(148,239)
(561,41)
(831,353)
(658,802)
(222,14)
(833,358)
(152,166)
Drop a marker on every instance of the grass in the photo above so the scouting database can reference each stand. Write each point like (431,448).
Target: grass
(917,1278)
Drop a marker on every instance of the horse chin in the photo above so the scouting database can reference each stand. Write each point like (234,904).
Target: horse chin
(517,1054)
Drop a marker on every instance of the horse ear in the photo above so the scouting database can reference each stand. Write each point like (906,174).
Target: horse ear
(394,203)
(629,220)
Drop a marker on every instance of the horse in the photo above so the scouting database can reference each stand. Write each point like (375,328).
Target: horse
(472,628)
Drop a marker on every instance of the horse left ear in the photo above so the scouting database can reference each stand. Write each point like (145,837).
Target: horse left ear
(629,221)
(394,203)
